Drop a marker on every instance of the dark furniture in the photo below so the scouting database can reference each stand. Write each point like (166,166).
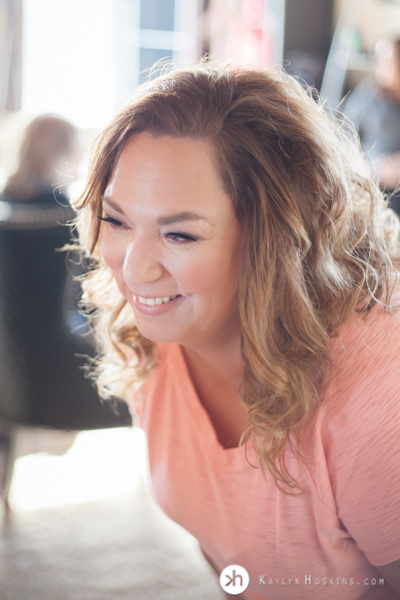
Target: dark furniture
(42,382)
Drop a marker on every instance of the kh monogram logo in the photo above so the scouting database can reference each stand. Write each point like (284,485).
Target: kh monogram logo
(234,580)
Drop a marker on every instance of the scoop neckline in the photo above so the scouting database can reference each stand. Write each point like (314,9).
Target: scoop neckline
(199,411)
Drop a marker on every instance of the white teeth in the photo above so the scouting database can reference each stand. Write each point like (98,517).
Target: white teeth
(153,301)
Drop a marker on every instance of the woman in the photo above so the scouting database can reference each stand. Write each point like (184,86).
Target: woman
(243,280)
(39,319)
(374,108)
(49,147)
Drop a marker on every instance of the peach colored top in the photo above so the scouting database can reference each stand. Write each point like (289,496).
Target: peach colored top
(323,544)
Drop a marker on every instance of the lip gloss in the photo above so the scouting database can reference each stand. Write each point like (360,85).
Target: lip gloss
(157,309)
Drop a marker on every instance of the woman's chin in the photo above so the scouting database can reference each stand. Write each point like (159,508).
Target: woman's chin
(161,336)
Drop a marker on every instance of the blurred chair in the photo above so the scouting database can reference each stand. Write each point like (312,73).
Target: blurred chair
(42,353)
(42,383)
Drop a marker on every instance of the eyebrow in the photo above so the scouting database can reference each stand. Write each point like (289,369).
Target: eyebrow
(164,220)
(179,217)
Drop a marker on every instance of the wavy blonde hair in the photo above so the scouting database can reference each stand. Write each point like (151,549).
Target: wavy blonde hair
(319,241)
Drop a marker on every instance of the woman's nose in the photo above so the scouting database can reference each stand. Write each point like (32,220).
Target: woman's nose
(141,264)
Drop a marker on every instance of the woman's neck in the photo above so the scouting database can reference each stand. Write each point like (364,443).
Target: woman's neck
(216,375)
(225,360)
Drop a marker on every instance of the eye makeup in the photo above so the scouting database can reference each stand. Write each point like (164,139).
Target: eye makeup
(110,220)
(184,237)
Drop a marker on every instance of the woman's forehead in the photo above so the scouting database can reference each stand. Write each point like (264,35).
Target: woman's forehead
(147,157)
(168,168)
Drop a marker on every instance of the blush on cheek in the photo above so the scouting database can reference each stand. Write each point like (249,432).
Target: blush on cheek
(212,274)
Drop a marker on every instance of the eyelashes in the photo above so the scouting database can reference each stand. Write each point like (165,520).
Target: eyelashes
(181,236)
(173,236)
(110,220)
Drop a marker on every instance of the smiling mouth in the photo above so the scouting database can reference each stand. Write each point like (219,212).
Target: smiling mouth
(159,300)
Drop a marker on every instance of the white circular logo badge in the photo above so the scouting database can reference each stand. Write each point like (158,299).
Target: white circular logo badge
(234,580)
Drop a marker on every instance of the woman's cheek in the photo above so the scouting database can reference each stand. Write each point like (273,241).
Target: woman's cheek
(193,274)
(111,252)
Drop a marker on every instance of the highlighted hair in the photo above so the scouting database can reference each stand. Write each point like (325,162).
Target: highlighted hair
(319,244)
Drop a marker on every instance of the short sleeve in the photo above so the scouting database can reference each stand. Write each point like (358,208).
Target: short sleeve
(360,431)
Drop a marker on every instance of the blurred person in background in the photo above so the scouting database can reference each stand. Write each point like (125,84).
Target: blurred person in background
(374,107)
(49,147)
(38,295)
(245,298)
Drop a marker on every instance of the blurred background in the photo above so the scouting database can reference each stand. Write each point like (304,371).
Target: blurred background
(79,518)
(81,59)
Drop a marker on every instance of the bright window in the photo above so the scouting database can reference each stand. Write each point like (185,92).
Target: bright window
(68,59)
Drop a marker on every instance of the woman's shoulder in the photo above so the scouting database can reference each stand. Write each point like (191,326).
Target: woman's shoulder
(369,341)
(358,431)
(361,392)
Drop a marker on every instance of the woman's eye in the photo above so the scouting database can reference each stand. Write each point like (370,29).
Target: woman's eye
(111,221)
(180,237)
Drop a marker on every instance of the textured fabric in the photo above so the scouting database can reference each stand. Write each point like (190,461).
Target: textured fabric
(347,520)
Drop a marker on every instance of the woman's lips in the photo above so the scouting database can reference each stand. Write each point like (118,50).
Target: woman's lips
(157,309)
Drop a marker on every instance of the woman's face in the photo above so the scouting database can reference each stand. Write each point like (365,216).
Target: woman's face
(172,231)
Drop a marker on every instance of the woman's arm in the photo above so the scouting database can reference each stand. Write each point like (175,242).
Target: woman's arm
(391,573)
